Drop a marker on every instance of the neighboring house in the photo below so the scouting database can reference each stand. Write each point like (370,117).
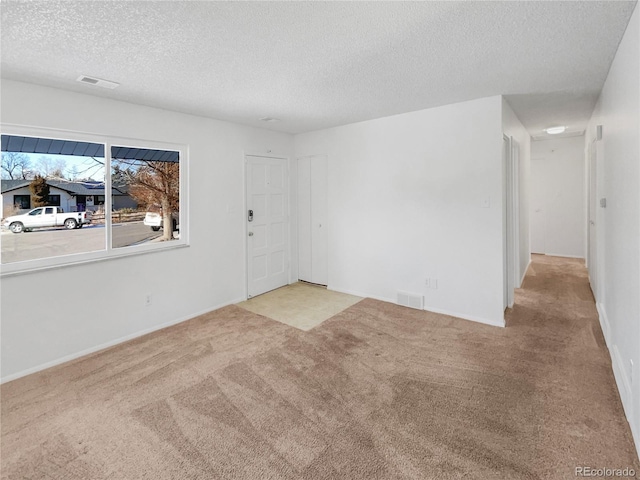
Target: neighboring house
(71,196)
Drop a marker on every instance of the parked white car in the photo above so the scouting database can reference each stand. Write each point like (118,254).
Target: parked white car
(155,221)
(43,217)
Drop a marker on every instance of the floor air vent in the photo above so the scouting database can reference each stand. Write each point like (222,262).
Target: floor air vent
(411,300)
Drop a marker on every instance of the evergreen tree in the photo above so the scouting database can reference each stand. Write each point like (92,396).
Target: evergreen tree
(39,191)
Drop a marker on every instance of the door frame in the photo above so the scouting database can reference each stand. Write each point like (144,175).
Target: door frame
(595,213)
(515,218)
(245,228)
(592,229)
(511,220)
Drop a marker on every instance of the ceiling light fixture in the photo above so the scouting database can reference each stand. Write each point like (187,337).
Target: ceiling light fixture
(270,119)
(555,130)
(98,82)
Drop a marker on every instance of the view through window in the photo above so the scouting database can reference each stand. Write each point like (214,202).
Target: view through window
(146,185)
(56,200)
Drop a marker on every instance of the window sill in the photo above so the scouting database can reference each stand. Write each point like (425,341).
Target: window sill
(35,266)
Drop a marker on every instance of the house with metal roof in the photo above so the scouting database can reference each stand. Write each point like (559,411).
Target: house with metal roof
(70,196)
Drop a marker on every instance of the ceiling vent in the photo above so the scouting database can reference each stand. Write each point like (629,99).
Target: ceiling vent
(411,300)
(270,119)
(98,82)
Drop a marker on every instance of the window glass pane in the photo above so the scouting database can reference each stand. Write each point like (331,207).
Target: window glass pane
(38,172)
(22,202)
(146,196)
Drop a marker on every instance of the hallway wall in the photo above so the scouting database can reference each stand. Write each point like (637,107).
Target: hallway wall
(557,186)
(618,247)
(416,196)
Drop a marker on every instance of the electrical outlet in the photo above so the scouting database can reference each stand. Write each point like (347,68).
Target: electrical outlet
(147,301)
(428,282)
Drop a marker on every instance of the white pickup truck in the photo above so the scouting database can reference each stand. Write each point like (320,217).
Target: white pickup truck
(42,217)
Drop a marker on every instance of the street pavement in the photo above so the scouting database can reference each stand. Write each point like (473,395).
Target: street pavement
(53,242)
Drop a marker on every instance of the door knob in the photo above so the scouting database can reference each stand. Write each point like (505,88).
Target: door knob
(251,234)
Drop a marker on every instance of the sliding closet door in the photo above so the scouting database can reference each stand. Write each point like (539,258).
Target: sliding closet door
(312,219)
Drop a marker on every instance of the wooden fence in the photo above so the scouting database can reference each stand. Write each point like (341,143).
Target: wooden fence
(98,218)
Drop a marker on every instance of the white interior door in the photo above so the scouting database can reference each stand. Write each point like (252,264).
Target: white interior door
(267,224)
(312,220)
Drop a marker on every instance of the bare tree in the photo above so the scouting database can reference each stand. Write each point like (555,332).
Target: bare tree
(15,166)
(52,168)
(153,183)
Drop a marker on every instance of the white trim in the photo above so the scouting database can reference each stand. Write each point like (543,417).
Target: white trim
(360,294)
(524,274)
(622,382)
(109,344)
(581,257)
(464,316)
(427,309)
(626,394)
(89,257)
(604,323)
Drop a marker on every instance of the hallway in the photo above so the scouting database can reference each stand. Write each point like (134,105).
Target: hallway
(554,323)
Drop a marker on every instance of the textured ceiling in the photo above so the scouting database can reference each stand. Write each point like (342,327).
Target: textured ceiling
(320,64)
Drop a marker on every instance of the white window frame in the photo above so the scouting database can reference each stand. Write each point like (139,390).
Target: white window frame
(109,252)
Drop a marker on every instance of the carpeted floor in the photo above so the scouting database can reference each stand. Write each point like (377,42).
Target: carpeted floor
(376,392)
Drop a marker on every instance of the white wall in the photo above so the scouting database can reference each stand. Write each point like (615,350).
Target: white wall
(183,282)
(405,203)
(557,185)
(618,111)
(512,127)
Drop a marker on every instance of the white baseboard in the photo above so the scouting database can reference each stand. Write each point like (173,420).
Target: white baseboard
(626,394)
(581,257)
(604,323)
(360,294)
(109,344)
(524,274)
(464,316)
(499,323)
(622,381)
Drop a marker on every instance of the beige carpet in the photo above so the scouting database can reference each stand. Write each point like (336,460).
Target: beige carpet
(300,305)
(377,392)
